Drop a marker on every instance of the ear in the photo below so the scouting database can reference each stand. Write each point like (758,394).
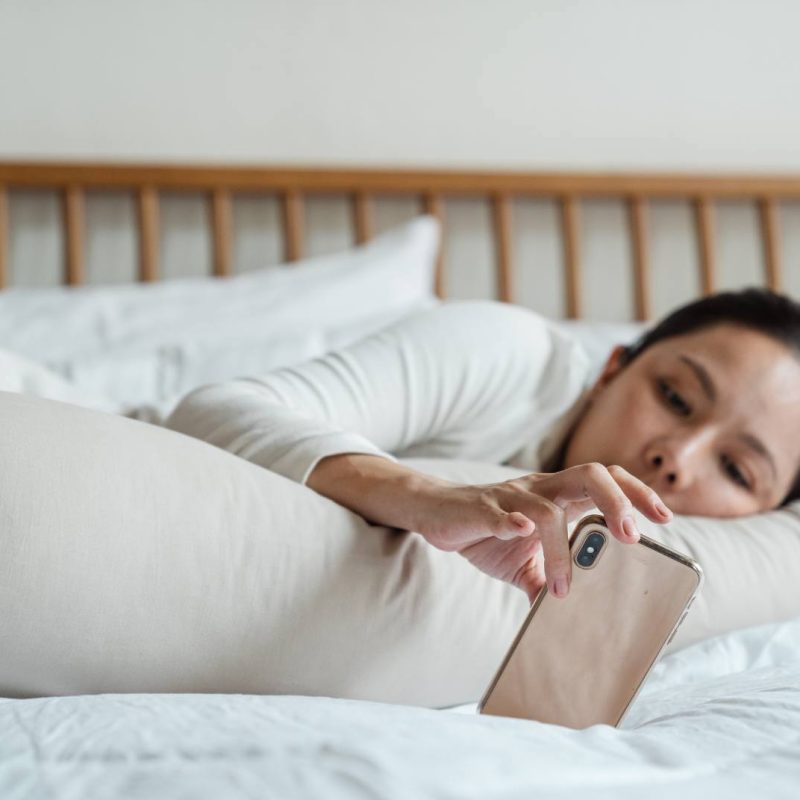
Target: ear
(611,368)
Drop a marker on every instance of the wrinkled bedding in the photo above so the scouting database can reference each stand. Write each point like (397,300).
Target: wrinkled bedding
(719,719)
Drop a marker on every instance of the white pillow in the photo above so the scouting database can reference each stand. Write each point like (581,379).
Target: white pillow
(150,343)
(18,374)
(599,338)
(137,559)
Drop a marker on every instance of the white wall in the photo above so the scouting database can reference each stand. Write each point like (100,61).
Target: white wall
(596,84)
(555,83)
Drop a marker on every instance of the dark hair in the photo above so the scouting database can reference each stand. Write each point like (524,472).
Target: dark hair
(760,309)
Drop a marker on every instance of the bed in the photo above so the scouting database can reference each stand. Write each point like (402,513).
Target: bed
(719,717)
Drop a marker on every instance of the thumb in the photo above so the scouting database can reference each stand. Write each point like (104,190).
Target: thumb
(512,525)
(531,578)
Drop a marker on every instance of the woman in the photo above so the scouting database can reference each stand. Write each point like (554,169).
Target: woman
(699,416)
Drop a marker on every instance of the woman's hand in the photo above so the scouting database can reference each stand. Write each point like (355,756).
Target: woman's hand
(505,528)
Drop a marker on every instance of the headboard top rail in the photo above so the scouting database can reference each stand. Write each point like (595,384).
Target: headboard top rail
(378,180)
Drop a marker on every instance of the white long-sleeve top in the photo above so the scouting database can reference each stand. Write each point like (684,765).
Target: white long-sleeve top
(479,380)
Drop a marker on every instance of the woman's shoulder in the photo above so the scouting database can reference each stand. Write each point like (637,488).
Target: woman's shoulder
(517,354)
(489,322)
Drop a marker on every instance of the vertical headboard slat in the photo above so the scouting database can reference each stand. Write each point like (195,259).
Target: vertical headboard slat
(706,243)
(571,246)
(501,214)
(293,224)
(637,222)
(74,211)
(770,238)
(221,232)
(4,237)
(362,217)
(147,202)
(432,204)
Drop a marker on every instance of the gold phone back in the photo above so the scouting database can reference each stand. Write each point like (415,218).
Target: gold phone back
(580,660)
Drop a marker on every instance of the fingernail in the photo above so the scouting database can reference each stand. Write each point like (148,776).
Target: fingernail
(560,586)
(522,524)
(661,508)
(629,526)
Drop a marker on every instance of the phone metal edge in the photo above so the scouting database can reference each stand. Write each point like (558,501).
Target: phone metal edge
(647,541)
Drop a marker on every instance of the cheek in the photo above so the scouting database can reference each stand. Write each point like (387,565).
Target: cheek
(713,498)
(619,424)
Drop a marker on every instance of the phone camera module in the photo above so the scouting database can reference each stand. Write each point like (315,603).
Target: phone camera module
(590,549)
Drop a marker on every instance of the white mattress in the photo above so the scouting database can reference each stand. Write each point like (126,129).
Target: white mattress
(720,719)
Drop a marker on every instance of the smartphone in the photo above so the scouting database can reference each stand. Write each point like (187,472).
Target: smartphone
(581,660)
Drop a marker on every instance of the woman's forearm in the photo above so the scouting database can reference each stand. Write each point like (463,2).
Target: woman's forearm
(380,490)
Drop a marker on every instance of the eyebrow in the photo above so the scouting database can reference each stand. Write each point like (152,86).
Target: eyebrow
(702,375)
(752,441)
(756,444)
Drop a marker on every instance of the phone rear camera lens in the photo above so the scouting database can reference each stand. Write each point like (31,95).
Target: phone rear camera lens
(590,549)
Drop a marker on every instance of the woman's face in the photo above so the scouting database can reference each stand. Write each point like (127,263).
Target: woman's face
(709,419)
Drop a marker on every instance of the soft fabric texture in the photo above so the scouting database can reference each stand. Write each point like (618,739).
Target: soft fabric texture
(138,559)
(597,338)
(19,374)
(148,344)
(718,720)
(478,380)
(475,380)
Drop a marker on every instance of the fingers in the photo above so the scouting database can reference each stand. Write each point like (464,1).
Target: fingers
(551,522)
(551,527)
(520,524)
(517,561)
(511,500)
(544,503)
(531,577)
(578,508)
(614,491)
(641,495)
(509,525)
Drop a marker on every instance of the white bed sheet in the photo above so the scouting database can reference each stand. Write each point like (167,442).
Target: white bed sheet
(720,719)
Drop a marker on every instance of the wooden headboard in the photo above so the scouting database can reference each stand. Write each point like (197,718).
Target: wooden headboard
(363,185)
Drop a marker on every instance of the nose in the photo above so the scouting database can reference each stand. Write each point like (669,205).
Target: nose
(674,462)
(669,474)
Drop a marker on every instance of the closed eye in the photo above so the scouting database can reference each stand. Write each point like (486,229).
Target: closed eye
(730,468)
(673,399)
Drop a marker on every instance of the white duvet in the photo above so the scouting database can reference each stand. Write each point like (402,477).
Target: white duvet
(720,719)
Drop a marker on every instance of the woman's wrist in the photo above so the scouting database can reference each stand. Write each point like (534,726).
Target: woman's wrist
(382,491)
